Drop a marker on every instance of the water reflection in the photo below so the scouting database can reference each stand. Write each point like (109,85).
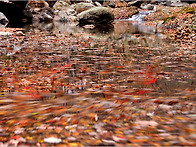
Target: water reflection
(122,59)
(119,27)
(133,27)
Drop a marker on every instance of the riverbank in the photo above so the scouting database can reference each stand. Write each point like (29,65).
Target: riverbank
(179,22)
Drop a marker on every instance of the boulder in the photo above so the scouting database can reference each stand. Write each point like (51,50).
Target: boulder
(79,7)
(60,5)
(35,6)
(64,12)
(62,16)
(97,15)
(3,19)
(147,6)
(46,14)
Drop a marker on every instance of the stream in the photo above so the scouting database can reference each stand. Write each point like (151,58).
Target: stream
(125,83)
(136,42)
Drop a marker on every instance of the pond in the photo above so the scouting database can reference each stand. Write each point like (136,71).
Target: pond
(88,85)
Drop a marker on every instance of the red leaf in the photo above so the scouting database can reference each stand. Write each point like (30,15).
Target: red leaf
(149,81)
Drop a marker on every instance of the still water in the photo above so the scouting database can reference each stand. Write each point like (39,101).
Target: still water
(127,54)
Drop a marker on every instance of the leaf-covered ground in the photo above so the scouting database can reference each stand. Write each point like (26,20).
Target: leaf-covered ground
(179,22)
(67,90)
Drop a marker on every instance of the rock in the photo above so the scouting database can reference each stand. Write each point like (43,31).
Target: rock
(147,7)
(136,3)
(79,7)
(79,1)
(97,15)
(35,9)
(28,12)
(109,3)
(97,4)
(175,3)
(12,12)
(46,14)
(3,19)
(60,5)
(65,13)
(36,6)
(20,33)
(153,1)
(62,16)
(178,4)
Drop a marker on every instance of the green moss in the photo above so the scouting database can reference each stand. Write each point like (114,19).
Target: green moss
(188,9)
(170,17)
(184,10)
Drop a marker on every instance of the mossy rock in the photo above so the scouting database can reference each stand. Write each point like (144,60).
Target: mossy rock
(80,7)
(97,15)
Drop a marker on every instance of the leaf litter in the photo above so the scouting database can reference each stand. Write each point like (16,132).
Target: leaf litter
(61,89)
